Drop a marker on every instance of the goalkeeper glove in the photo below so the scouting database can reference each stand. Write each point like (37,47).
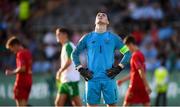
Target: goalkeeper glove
(85,73)
(112,72)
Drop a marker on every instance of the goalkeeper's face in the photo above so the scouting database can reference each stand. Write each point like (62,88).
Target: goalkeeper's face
(101,18)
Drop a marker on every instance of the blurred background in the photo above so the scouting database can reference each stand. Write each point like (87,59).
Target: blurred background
(155,24)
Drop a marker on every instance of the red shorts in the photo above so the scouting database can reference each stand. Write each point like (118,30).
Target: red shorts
(137,96)
(22,92)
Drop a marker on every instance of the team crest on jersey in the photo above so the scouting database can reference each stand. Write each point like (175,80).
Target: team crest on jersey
(107,41)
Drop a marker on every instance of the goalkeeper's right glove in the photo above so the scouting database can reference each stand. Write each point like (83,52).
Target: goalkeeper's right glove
(85,73)
(114,71)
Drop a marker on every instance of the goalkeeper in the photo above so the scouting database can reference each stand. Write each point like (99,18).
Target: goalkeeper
(101,45)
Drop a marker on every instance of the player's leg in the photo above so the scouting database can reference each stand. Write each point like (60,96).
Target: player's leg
(74,89)
(164,99)
(157,99)
(109,90)
(146,104)
(17,103)
(60,99)
(61,95)
(21,95)
(125,104)
(76,101)
(93,93)
(128,98)
(21,103)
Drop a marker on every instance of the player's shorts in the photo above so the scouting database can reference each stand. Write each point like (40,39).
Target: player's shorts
(106,87)
(21,92)
(137,96)
(70,88)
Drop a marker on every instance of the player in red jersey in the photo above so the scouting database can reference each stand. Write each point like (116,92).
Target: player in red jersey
(23,71)
(139,90)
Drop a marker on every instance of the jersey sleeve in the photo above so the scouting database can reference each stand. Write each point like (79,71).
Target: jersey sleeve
(69,50)
(123,50)
(137,62)
(21,59)
(79,48)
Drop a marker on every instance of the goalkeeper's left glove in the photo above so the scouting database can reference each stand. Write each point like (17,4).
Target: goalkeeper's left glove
(85,72)
(112,72)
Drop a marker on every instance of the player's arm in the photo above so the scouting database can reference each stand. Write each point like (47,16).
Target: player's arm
(142,74)
(69,50)
(67,64)
(124,79)
(21,67)
(124,61)
(81,46)
(17,70)
(126,54)
(124,50)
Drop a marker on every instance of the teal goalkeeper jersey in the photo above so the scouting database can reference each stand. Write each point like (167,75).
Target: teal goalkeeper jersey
(100,52)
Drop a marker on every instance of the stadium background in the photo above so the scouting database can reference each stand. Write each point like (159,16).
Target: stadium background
(154,23)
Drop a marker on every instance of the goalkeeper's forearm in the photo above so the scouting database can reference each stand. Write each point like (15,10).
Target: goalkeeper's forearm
(126,59)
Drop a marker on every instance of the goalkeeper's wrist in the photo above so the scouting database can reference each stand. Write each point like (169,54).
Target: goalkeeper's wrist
(121,65)
(78,67)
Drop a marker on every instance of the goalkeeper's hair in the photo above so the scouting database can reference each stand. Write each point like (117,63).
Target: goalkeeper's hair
(129,40)
(12,41)
(105,12)
(66,31)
